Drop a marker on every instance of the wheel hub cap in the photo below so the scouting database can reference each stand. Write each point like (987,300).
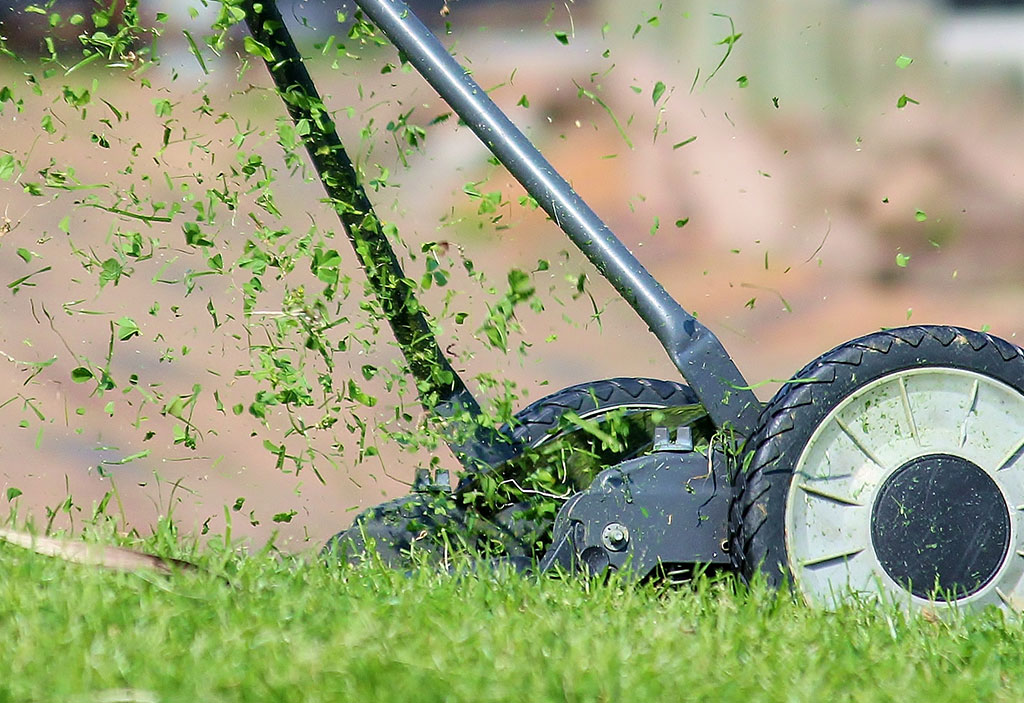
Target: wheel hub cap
(940,527)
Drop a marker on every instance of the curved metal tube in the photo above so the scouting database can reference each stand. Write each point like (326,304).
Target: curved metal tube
(693,348)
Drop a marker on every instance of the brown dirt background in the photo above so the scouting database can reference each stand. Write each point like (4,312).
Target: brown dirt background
(796,216)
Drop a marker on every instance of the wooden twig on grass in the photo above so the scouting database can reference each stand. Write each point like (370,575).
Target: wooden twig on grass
(106,556)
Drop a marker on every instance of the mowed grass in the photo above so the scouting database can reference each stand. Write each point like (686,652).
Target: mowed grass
(280,628)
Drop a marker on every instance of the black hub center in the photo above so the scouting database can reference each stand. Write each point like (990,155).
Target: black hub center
(940,526)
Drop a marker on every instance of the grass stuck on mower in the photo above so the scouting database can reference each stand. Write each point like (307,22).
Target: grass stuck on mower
(890,466)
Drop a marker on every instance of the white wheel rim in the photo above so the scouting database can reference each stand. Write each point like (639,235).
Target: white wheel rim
(874,431)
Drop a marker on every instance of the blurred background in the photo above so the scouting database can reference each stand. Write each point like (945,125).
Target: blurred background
(797,173)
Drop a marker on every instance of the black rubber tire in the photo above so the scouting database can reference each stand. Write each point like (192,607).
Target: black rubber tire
(396,524)
(545,421)
(787,423)
(541,420)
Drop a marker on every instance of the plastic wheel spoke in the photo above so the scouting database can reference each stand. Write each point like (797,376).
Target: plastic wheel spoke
(827,559)
(905,399)
(829,495)
(1012,456)
(1014,604)
(972,409)
(858,443)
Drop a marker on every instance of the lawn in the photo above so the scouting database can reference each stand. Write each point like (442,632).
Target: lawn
(271,627)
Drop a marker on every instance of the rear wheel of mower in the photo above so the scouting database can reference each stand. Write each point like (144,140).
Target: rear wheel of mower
(544,419)
(892,466)
(566,434)
(396,525)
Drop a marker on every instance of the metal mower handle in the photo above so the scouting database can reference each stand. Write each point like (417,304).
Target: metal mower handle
(693,348)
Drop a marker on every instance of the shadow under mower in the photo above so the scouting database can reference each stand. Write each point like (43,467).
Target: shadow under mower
(889,466)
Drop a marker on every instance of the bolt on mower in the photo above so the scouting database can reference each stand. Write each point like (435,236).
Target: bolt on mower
(889,466)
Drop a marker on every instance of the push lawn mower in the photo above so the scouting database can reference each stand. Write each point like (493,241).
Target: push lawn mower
(890,465)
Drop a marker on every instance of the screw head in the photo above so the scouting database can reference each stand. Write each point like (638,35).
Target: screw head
(615,536)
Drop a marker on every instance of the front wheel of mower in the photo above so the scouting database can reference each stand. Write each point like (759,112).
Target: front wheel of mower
(892,466)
